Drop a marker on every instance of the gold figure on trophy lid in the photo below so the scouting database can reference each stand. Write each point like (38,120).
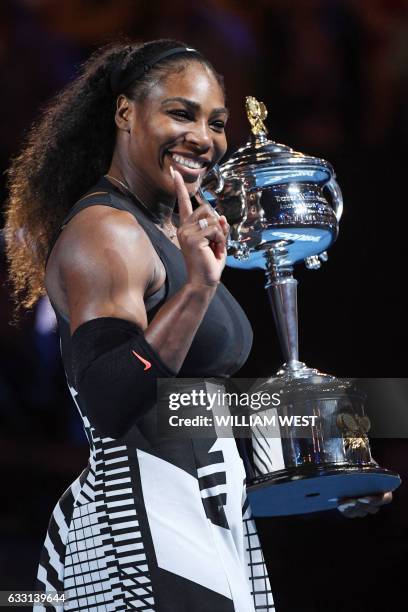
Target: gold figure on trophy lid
(256,113)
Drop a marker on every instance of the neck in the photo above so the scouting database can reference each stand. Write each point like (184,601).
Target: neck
(161,205)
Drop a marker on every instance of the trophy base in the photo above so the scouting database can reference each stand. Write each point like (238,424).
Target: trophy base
(314,489)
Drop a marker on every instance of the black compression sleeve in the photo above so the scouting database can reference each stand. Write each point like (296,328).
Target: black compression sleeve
(115,372)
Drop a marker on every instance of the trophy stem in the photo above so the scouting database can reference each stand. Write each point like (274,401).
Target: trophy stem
(282,293)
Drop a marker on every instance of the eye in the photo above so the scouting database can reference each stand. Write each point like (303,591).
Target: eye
(180,114)
(218,126)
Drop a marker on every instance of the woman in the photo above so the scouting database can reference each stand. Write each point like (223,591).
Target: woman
(151,523)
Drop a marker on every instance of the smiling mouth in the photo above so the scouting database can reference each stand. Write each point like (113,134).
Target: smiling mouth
(188,162)
(192,165)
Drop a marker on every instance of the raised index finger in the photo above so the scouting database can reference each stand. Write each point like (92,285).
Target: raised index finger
(184,202)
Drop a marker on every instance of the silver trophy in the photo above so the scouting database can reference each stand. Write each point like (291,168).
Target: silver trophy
(284,207)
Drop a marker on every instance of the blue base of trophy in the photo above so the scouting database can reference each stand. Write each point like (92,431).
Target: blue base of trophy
(303,491)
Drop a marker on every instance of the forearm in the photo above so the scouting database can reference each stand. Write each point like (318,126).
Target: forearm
(172,330)
(116,364)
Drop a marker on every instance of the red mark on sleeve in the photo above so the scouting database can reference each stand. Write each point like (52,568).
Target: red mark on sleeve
(146,363)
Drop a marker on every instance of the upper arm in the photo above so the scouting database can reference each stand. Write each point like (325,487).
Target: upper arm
(106,262)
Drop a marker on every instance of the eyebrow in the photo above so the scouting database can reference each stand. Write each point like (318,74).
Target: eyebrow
(194,105)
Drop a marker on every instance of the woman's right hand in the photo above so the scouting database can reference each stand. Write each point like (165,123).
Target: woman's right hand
(204,249)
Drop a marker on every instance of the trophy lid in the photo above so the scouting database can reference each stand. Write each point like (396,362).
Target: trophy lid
(262,162)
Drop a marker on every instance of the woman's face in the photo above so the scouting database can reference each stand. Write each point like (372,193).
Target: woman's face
(181,123)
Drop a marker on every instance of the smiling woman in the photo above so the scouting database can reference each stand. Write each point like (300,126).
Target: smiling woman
(152,523)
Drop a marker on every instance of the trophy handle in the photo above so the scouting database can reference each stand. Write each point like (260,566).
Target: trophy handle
(337,197)
(220,179)
(213,183)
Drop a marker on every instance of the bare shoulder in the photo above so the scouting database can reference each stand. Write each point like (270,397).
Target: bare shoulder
(105,261)
(98,230)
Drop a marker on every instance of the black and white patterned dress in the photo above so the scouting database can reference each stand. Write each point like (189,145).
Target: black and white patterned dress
(155,524)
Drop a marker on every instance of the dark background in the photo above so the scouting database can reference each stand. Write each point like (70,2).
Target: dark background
(334,76)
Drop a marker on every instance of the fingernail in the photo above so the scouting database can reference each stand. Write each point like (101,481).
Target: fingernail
(364,500)
(172,172)
(343,507)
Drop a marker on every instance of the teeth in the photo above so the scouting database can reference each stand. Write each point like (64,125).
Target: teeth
(185,161)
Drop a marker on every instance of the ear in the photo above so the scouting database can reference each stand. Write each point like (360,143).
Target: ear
(125,110)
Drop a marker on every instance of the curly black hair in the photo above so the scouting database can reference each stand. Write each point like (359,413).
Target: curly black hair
(68,149)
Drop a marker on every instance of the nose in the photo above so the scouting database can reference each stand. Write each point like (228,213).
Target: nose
(200,137)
